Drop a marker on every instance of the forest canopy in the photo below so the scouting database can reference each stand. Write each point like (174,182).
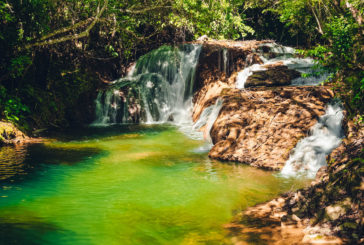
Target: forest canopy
(50,48)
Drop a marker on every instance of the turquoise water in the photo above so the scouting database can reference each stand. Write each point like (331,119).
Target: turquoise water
(124,185)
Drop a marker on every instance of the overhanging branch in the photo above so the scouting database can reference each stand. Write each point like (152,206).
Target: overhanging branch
(85,33)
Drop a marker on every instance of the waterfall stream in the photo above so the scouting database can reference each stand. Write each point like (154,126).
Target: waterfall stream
(207,118)
(160,86)
(310,153)
(157,90)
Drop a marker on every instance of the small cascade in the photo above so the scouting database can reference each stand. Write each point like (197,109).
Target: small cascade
(310,153)
(208,118)
(284,56)
(158,89)
(226,60)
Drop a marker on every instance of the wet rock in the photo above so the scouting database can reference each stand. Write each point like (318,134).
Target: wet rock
(260,126)
(9,134)
(274,76)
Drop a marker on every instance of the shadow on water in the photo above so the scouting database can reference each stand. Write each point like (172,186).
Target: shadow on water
(98,132)
(21,162)
(27,232)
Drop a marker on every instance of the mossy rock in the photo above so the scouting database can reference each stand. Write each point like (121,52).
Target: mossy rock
(10,134)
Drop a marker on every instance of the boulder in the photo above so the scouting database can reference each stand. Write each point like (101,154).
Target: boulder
(261,126)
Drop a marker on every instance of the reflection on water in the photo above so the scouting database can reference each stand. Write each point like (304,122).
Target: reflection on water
(12,161)
(148,186)
(18,161)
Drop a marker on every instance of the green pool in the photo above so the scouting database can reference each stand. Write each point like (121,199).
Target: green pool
(124,185)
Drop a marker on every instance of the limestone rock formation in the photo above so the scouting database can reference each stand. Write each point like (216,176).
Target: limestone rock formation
(260,126)
(10,134)
(257,125)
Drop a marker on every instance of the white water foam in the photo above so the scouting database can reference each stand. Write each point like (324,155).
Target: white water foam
(310,153)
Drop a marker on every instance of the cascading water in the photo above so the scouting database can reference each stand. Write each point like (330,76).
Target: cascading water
(284,56)
(310,153)
(161,82)
(207,118)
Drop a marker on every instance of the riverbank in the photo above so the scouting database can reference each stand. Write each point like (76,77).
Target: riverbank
(10,135)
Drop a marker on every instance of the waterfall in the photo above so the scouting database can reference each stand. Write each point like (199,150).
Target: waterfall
(310,153)
(158,89)
(226,61)
(285,56)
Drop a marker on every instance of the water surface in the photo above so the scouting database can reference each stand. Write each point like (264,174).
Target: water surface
(124,185)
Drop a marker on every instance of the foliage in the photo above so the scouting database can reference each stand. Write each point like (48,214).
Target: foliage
(12,108)
(342,52)
(336,28)
(217,18)
(45,44)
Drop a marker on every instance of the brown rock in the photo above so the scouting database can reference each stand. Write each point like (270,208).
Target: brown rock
(10,134)
(260,126)
(274,76)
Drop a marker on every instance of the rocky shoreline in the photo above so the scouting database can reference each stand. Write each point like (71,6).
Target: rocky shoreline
(10,135)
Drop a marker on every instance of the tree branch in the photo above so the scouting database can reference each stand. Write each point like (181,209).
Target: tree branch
(142,11)
(83,34)
(319,27)
(66,29)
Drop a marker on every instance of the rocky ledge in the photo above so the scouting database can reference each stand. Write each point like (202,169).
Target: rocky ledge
(261,124)
(278,75)
(10,134)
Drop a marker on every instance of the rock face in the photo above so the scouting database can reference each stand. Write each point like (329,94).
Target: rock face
(9,134)
(274,76)
(257,125)
(260,126)
(330,210)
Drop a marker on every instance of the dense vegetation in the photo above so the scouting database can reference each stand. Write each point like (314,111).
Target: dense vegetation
(55,54)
